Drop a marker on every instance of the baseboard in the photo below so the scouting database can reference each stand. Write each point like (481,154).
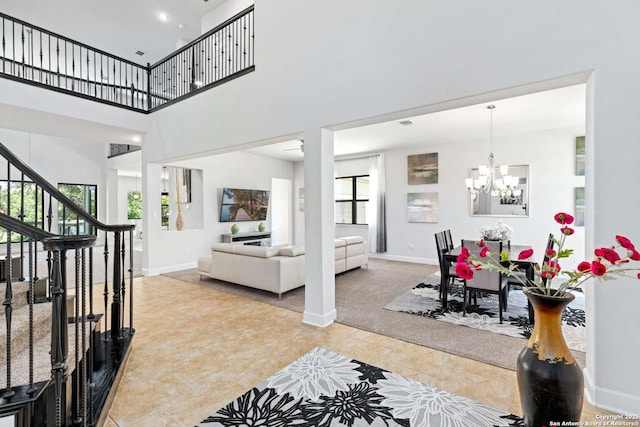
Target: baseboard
(414,260)
(168,269)
(318,320)
(610,400)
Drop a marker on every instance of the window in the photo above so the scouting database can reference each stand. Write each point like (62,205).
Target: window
(164,205)
(18,189)
(352,198)
(83,195)
(134,205)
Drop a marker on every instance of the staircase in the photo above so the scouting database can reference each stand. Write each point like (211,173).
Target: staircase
(57,366)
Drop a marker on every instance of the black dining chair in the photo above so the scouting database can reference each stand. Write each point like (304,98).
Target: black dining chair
(448,239)
(485,281)
(448,274)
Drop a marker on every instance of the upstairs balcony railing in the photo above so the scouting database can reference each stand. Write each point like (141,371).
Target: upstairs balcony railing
(36,56)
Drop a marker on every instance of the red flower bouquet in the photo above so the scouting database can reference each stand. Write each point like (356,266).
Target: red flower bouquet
(608,262)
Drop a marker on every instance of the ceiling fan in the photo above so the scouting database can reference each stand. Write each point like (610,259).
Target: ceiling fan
(301,148)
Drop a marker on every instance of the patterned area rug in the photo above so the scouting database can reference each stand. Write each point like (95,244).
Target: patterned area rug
(324,388)
(423,300)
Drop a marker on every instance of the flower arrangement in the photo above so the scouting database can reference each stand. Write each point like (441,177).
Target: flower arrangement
(500,231)
(608,262)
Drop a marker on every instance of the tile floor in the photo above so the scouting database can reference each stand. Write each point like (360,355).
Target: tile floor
(196,349)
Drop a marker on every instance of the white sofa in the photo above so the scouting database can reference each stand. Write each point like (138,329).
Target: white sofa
(274,269)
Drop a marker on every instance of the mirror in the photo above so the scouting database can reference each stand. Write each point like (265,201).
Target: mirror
(512,201)
(181,199)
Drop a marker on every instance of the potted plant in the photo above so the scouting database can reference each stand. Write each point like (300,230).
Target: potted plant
(549,379)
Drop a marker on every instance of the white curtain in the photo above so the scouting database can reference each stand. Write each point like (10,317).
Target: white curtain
(376,216)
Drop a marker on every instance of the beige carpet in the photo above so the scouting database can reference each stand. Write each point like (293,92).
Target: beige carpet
(360,299)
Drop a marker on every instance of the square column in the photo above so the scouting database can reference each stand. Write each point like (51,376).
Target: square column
(320,283)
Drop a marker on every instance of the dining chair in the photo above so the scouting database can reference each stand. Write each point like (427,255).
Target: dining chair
(448,274)
(447,235)
(484,281)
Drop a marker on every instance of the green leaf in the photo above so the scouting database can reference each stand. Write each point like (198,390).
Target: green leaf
(565,253)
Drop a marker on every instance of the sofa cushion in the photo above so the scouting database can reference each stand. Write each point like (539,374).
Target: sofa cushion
(292,251)
(340,243)
(223,247)
(257,251)
(353,239)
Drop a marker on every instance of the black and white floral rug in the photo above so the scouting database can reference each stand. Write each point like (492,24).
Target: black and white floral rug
(423,300)
(324,388)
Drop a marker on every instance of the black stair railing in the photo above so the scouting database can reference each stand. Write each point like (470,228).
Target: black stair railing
(33,55)
(101,335)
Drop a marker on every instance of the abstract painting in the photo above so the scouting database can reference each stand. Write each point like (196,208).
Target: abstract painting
(422,207)
(422,169)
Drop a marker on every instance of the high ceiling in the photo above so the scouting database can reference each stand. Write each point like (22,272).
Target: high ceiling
(119,27)
(123,27)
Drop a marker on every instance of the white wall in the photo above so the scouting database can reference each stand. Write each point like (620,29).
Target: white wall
(175,250)
(552,182)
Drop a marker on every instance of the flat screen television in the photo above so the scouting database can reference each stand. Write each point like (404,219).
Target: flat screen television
(243,205)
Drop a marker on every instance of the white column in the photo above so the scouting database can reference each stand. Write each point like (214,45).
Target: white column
(612,377)
(151,213)
(319,300)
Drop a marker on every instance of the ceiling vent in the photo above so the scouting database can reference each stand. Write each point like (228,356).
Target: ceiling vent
(139,52)
(406,122)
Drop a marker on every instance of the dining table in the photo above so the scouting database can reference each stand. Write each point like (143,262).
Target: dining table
(451,257)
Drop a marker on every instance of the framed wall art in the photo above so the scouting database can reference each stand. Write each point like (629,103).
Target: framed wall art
(422,169)
(422,207)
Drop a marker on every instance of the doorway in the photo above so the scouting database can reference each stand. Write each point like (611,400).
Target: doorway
(280,211)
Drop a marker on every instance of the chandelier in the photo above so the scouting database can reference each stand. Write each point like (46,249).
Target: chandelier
(505,187)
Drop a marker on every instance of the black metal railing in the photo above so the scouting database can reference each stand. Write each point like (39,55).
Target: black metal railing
(79,390)
(33,55)
(223,53)
(41,57)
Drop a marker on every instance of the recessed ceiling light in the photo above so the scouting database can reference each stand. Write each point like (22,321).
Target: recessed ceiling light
(406,122)
(162,16)
(180,25)
(136,138)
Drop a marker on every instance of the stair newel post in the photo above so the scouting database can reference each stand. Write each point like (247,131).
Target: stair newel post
(106,283)
(116,338)
(8,309)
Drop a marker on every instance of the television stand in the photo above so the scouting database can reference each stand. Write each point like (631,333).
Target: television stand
(262,238)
